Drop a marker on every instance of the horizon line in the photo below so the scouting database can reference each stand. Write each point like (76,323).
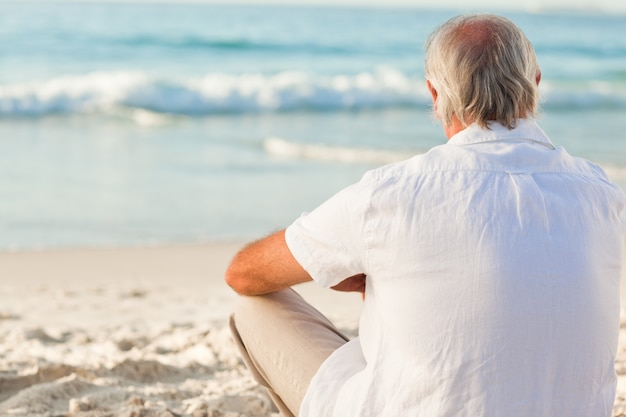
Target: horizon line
(366,4)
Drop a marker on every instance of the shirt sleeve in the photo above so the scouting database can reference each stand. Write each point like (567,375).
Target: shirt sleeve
(329,242)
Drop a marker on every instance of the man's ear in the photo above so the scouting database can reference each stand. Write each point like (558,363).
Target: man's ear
(433,94)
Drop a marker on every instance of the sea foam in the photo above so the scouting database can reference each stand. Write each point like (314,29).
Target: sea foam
(289,149)
(222,93)
(215,93)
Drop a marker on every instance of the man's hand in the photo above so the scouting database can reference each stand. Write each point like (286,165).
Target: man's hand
(355,283)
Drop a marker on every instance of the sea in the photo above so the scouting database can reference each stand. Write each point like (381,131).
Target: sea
(155,124)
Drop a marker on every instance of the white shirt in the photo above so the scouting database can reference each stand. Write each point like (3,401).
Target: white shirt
(493,266)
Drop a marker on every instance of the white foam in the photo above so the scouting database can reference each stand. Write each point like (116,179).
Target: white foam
(288,149)
(148,118)
(69,94)
(255,92)
(212,93)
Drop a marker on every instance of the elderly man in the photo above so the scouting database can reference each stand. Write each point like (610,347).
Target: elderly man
(490,265)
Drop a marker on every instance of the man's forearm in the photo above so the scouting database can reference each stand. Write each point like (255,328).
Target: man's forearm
(265,266)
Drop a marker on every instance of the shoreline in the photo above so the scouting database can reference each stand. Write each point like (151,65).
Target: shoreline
(191,272)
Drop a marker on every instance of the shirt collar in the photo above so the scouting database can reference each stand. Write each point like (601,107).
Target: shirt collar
(527,130)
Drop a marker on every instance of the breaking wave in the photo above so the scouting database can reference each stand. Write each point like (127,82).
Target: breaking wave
(221,93)
(212,94)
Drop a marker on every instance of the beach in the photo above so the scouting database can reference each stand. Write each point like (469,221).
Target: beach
(142,144)
(129,332)
(139,332)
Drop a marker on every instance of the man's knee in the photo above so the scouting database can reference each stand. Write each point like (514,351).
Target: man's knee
(250,309)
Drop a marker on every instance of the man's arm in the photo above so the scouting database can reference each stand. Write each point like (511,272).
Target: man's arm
(265,266)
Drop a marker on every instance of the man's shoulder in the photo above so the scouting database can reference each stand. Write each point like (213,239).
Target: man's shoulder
(436,159)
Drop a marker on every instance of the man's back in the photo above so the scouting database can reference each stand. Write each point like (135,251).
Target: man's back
(493,281)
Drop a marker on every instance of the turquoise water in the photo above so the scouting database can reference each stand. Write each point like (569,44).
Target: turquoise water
(137,124)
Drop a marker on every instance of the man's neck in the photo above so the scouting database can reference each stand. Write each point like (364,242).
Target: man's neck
(454,127)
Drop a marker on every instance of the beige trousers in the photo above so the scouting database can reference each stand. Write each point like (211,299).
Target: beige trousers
(283,340)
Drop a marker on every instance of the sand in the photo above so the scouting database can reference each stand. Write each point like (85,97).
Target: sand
(138,332)
(129,332)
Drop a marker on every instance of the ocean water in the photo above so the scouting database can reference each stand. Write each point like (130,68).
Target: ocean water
(133,124)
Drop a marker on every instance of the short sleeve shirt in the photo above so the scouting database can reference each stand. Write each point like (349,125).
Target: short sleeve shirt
(493,265)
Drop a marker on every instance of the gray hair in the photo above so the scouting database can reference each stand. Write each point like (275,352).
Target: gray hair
(484,69)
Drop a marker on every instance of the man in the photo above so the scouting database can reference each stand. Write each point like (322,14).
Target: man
(490,265)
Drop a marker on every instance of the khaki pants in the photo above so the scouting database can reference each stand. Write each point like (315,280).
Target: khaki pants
(283,340)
